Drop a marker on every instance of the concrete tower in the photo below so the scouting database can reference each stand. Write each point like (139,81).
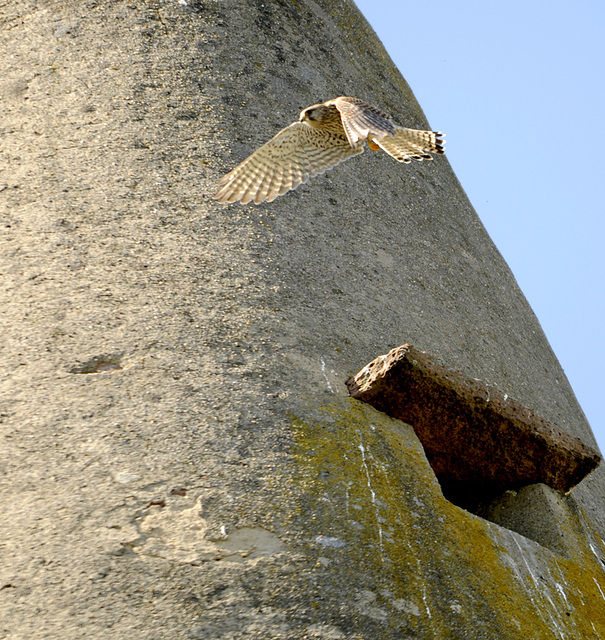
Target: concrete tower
(180,456)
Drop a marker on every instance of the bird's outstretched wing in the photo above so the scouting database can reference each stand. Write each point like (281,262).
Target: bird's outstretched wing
(290,158)
(411,144)
(360,120)
(363,121)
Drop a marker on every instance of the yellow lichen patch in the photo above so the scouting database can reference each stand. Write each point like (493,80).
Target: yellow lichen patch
(418,563)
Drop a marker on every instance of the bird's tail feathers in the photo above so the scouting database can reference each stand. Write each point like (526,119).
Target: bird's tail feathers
(412,144)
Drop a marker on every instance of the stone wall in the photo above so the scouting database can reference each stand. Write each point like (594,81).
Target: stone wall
(180,457)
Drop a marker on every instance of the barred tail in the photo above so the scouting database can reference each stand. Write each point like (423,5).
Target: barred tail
(412,144)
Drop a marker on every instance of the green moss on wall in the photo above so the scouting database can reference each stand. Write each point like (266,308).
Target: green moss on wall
(442,571)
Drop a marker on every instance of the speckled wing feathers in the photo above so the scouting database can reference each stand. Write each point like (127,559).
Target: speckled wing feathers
(360,120)
(290,158)
(326,134)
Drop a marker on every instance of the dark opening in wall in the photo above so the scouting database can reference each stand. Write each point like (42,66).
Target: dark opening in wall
(483,446)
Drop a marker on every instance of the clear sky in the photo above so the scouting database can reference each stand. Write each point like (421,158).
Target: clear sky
(519,89)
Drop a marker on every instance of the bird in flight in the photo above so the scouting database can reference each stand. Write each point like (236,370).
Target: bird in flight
(324,135)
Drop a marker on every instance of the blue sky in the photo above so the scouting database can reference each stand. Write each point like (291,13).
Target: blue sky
(519,89)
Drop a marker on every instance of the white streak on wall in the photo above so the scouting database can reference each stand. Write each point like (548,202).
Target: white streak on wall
(373,494)
(599,588)
(542,590)
(323,370)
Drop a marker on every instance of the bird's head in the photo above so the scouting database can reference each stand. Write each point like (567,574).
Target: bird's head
(306,114)
(313,115)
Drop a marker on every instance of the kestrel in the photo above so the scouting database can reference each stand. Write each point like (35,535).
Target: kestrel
(324,135)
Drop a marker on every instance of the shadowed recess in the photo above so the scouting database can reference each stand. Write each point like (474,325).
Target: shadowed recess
(479,441)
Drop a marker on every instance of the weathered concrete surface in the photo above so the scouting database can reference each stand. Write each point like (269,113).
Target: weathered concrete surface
(516,510)
(480,443)
(179,455)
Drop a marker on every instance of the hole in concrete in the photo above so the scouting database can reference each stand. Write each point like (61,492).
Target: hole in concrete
(99,364)
(492,456)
